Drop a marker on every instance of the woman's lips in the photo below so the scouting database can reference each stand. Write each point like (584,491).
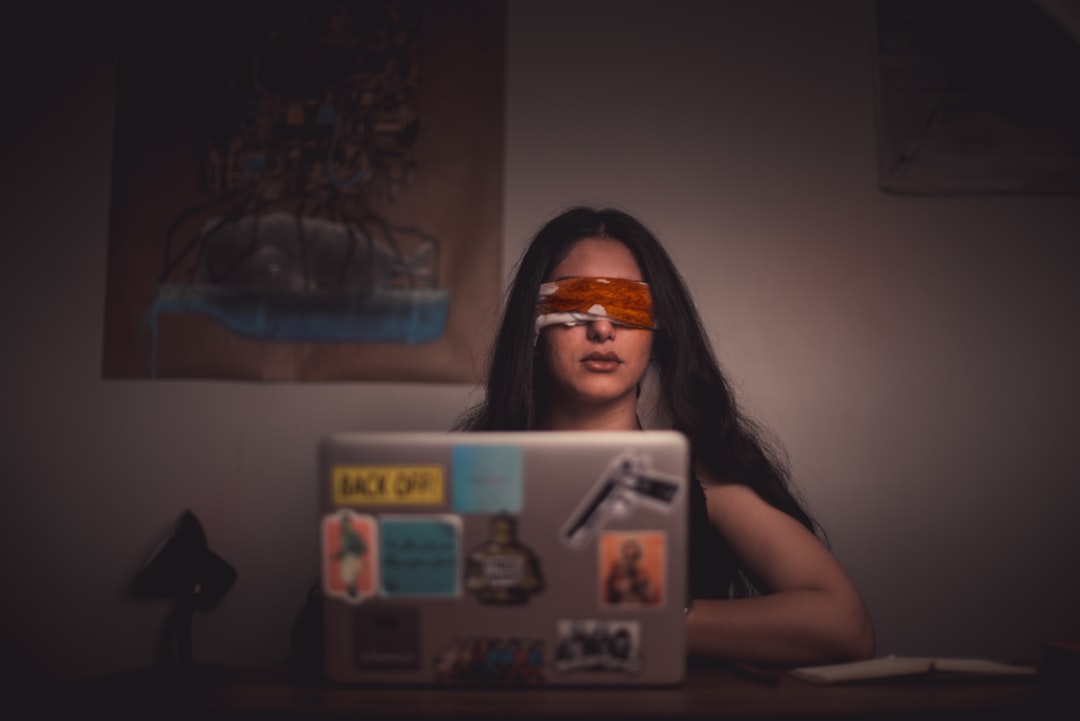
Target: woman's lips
(601,362)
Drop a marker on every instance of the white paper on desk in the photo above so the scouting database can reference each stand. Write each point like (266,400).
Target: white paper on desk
(893,666)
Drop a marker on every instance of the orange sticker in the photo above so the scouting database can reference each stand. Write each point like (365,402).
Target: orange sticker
(633,568)
(350,553)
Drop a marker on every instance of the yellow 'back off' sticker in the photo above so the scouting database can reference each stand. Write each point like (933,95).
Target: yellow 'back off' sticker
(387,485)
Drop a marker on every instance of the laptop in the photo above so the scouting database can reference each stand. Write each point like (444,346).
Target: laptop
(504,558)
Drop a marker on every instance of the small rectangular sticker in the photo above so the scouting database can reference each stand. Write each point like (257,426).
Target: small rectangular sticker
(388,485)
(421,555)
(491,659)
(350,552)
(598,645)
(633,568)
(386,638)
(488,479)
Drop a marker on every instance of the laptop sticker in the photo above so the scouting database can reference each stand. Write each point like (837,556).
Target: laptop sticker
(503,569)
(628,481)
(487,479)
(420,555)
(350,547)
(386,638)
(485,660)
(597,645)
(409,485)
(632,568)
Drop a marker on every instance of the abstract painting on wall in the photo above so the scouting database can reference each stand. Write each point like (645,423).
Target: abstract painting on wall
(307,191)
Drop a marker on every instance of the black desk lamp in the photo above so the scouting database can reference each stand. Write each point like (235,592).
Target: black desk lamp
(184,569)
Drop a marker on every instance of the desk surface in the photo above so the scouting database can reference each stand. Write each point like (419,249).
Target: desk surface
(715,693)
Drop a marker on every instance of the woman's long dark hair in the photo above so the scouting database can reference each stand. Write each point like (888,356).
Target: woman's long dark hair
(725,445)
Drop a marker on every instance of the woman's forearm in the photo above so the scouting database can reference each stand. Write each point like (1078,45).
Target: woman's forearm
(790,628)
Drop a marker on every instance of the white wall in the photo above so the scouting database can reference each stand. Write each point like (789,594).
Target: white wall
(917,356)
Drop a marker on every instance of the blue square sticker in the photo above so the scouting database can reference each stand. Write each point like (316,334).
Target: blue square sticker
(420,555)
(488,479)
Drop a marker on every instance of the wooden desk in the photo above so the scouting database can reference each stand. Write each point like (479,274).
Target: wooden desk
(225,692)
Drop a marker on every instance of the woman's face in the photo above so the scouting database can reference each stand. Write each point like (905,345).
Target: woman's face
(596,363)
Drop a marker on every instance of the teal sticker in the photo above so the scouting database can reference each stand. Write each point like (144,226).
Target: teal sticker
(420,555)
(488,479)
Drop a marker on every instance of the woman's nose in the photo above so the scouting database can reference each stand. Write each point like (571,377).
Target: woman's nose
(601,330)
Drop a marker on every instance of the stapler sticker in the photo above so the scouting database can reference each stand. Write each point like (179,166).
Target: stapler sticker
(388,485)
(503,569)
(420,555)
(350,547)
(597,645)
(491,659)
(633,567)
(627,482)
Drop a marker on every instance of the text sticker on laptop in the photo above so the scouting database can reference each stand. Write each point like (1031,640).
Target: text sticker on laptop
(405,485)
(420,555)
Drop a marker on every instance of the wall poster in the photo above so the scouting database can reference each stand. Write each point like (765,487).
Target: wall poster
(307,191)
(978,96)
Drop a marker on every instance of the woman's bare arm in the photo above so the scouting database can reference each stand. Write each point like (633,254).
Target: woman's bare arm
(811,611)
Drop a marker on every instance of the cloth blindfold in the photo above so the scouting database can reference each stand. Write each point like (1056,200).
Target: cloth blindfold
(572,301)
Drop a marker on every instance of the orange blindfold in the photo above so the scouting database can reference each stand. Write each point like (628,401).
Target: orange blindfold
(571,301)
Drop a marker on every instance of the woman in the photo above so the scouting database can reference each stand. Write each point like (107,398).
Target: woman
(600,333)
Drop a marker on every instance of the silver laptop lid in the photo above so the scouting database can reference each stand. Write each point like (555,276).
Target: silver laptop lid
(504,557)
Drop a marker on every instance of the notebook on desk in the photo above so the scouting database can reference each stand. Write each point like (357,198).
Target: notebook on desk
(537,557)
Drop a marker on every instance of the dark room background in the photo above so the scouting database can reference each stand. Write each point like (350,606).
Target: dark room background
(917,356)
